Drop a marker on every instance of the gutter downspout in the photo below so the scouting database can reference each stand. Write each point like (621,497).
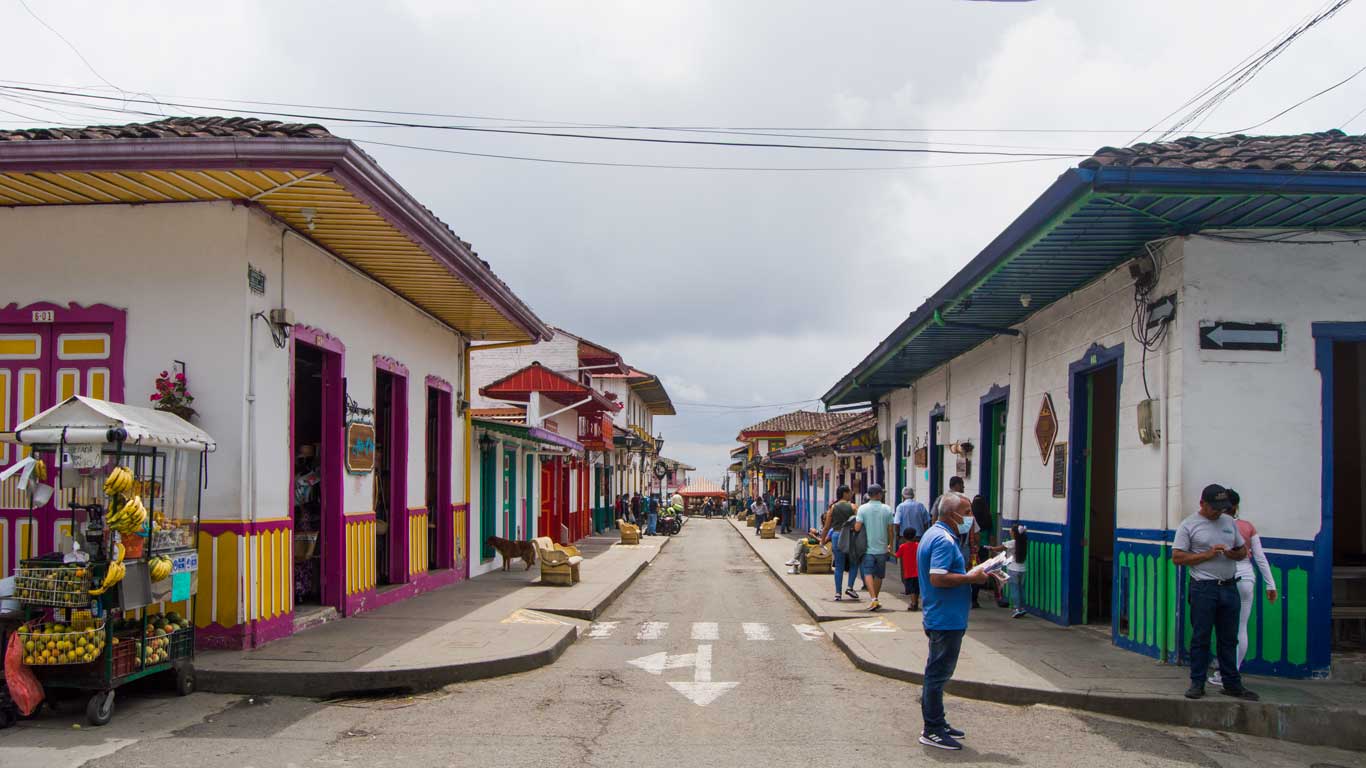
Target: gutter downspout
(469,424)
(1167,653)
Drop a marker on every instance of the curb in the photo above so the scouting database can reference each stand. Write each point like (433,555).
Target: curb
(1325,726)
(316,685)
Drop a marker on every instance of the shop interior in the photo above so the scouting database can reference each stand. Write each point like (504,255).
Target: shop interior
(308,485)
(1101,462)
(432,479)
(1349,492)
(384,473)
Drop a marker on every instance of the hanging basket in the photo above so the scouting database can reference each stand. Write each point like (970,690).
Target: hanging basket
(183,411)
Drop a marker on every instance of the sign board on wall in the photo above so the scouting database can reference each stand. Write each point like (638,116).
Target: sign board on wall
(922,457)
(1060,471)
(1251,337)
(360,448)
(1046,427)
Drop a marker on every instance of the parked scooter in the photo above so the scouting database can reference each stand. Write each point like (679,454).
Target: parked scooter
(670,522)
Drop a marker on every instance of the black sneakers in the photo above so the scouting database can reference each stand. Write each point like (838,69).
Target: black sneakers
(940,739)
(1195,691)
(1241,693)
(852,594)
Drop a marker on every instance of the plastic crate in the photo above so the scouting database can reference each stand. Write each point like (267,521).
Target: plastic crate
(126,656)
(61,586)
(182,644)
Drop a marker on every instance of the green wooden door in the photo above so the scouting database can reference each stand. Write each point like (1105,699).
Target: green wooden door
(488,516)
(510,494)
(998,463)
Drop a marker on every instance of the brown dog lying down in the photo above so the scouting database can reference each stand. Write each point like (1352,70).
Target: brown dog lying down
(510,549)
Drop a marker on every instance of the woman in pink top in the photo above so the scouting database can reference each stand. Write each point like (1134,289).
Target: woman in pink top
(1247,579)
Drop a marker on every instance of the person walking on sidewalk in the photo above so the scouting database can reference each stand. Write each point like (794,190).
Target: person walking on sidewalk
(1209,545)
(1017,568)
(651,514)
(911,514)
(635,509)
(760,510)
(875,520)
(910,576)
(955,486)
(840,513)
(1247,578)
(946,593)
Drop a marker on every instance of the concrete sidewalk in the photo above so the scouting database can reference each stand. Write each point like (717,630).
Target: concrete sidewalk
(496,624)
(1032,661)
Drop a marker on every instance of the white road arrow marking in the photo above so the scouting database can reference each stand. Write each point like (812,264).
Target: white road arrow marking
(756,631)
(1221,336)
(652,630)
(602,630)
(809,631)
(876,625)
(706,630)
(656,663)
(702,691)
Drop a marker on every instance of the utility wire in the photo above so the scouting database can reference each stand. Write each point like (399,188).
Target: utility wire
(1302,102)
(570,135)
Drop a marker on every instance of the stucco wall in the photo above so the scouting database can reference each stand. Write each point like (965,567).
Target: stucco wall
(560,354)
(179,272)
(1254,418)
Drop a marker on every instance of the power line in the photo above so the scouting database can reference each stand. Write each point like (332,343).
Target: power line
(1303,101)
(570,135)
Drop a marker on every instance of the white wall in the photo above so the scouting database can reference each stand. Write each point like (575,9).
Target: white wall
(1254,418)
(179,271)
(560,354)
(1055,337)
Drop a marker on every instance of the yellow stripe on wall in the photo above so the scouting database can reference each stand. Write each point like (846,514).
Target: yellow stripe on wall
(229,577)
(97,383)
(20,346)
(68,383)
(4,413)
(208,580)
(24,537)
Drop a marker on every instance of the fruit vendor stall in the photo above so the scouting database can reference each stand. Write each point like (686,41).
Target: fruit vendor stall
(107,606)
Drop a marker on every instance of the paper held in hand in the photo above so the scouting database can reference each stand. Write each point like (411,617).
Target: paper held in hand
(996,566)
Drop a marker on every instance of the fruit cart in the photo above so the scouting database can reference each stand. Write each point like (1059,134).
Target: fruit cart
(100,609)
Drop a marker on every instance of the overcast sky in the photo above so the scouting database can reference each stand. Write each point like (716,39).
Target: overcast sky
(742,287)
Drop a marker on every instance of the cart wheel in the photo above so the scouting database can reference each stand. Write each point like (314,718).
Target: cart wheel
(184,679)
(100,710)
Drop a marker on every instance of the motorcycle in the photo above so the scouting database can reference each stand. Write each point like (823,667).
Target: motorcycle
(670,523)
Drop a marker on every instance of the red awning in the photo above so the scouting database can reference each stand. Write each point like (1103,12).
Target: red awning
(518,386)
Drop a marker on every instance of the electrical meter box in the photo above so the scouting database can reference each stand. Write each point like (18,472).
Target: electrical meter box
(1148,431)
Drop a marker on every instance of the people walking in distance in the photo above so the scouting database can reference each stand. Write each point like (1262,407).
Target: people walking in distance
(651,514)
(622,507)
(955,486)
(980,549)
(1209,546)
(911,514)
(1247,578)
(760,510)
(635,508)
(945,588)
(836,521)
(874,520)
(910,577)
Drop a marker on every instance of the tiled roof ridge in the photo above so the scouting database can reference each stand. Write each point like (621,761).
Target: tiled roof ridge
(176,127)
(1331,150)
(799,421)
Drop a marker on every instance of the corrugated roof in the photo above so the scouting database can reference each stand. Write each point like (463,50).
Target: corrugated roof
(1100,215)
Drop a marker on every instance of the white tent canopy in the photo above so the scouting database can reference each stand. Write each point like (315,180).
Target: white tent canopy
(82,420)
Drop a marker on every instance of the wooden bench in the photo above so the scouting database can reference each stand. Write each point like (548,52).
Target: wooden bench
(820,560)
(559,563)
(630,532)
(768,529)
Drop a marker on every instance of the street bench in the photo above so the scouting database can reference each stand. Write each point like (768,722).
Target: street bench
(559,563)
(768,529)
(820,560)
(630,532)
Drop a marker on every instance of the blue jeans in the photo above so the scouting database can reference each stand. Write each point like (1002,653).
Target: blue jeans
(1017,590)
(943,659)
(654,519)
(1214,607)
(842,564)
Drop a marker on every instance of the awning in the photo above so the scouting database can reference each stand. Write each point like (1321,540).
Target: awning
(519,385)
(83,420)
(530,434)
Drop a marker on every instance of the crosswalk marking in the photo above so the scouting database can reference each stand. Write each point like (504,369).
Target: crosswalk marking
(601,630)
(756,631)
(809,631)
(652,630)
(706,630)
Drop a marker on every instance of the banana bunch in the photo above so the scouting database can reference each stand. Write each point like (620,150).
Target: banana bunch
(131,517)
(118,483)
(40,470)
(115,572)
(160,567)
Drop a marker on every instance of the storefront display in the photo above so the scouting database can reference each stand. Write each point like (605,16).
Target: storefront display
(100,610)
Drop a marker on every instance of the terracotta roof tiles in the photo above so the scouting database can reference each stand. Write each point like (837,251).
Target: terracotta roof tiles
(799,421)
(177,127)
(1325,151)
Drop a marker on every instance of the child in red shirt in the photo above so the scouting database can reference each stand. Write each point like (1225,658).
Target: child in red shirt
(905,554)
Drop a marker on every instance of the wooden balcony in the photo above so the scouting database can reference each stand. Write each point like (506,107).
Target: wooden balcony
(595,432)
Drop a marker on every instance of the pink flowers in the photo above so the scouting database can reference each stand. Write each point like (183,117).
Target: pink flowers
(173,394)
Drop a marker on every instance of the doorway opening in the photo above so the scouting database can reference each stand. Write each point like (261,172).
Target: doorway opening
(936,455)
(993,461)
(440,547)
(309,489)
(1348,493)
(1092,506)
(386,477)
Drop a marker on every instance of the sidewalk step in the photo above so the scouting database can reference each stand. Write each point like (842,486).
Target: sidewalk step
(309,617)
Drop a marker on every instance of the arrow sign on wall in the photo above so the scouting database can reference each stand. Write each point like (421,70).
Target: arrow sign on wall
(701,691)
(1256,337)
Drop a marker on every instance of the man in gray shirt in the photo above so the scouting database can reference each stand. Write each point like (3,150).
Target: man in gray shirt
(1209,545)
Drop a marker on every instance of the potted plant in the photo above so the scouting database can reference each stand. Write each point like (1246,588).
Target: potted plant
(173,395)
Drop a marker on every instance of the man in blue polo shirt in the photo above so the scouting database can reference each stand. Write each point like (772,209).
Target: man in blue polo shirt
(946,594)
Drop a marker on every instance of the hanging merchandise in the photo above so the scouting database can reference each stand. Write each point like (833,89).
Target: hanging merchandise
(89,608)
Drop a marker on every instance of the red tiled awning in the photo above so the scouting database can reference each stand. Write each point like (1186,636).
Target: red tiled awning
(518,386)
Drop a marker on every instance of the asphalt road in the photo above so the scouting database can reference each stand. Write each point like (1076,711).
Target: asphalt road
(705,614)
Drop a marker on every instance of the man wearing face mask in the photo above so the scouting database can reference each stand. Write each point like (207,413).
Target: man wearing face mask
(946,593)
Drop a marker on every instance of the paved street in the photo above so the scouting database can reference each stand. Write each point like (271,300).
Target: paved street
(704,614)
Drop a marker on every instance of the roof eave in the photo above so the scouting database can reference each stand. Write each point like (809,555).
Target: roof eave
(341,158)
